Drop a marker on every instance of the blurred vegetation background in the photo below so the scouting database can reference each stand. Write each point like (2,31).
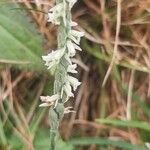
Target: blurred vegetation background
(116,54)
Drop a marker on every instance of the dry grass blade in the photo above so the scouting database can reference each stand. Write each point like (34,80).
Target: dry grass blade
(116,41)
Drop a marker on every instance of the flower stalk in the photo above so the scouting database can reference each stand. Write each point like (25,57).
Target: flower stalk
(60,61)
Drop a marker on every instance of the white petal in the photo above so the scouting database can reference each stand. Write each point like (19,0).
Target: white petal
(74,39)
(69,110)
(74,82)
(77,47)
(68,91)
(43,98)
(147,145)
(52,98)
(71,68)
(77,33)
(63,13)
(71,48)
(53,58)
(76,36)
(71,3)
(54,19)
(50,65)
(73,24)
(61,94)
(45,104)
(56,13)
(57,7)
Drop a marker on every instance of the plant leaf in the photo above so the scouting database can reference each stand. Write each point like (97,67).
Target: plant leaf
(20,43)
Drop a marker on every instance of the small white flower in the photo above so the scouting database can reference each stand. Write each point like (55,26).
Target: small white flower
(49,100)
(75,36)
(69,110)
(71,48)
(74,82)
(71,68)
(77,33)
(73,24)
(67,89)
(77,47)
(56,13)
(46,104)
(53,58)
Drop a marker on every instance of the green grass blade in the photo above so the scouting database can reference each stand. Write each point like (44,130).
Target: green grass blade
(131,124)
(136,97)
(3,139)
(35,122)
(106,142)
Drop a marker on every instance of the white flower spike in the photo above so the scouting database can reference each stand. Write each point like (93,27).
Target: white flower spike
(57,15)
(65,83)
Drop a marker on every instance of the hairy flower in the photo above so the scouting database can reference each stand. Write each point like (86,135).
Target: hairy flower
(58,12)
(71,48)
(71,68)
(69,110)
(67,89)
(75,36)
(53,58)
(49,100)
(55,14)
(77,47)
(73,82)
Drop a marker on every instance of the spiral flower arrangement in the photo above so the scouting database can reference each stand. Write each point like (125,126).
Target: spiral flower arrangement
(60,61)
